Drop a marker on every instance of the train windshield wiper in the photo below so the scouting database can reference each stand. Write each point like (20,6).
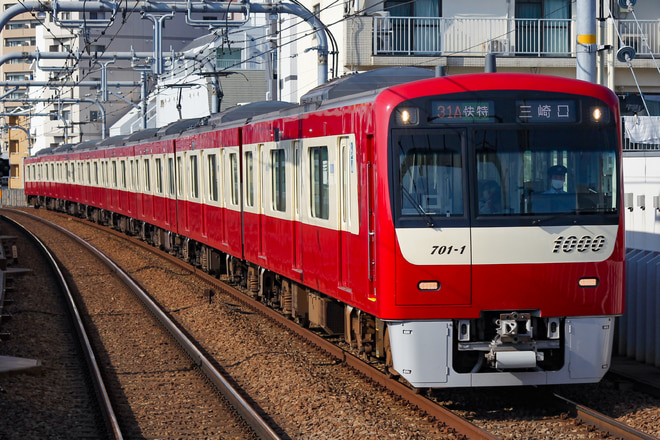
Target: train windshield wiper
(418,207)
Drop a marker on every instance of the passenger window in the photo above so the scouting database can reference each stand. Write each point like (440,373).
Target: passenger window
(319,198)
(194,178)
(147,175)
(213,178)
(122,175)
(172,176)
(179,165)
(249,178)
(113,170)
(277,162)
(159,176)
(233,164)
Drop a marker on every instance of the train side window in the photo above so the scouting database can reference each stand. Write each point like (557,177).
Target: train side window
(319,178)
(158,169)
(96,173)
(147,175)
(194,178)
(179,163)
(249,178)
(113,173)
(277,162)
(73,173)
(233,169)
(122,174)
(88,174)
(172,175)
(213,178)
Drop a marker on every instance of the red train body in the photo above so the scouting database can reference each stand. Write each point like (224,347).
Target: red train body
(417,218)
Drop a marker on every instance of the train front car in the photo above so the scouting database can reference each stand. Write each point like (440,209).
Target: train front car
(506,265)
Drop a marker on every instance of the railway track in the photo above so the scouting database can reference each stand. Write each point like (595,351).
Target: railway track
(603,422)
(576,419)
(105,406)
(157,388)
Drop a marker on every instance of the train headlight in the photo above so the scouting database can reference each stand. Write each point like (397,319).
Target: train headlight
(599,115)
(407,116)
(428,285)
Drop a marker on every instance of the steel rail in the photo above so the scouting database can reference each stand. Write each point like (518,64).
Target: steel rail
(97,379)
(247,412)
(604,423)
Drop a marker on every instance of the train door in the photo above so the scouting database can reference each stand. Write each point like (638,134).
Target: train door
(260,199)
(298,211)
(182,196)
(431,216)
(170,214)
(348,207)
(371,219)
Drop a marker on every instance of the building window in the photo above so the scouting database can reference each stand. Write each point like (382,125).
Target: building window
(227,58)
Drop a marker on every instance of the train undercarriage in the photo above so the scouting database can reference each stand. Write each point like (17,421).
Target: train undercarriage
(365,333)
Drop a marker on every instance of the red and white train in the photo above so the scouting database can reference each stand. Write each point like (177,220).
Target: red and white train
(466,229)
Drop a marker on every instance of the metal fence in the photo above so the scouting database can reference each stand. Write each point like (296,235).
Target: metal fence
(639,328)
(515,36)
(472,36)
(14,198)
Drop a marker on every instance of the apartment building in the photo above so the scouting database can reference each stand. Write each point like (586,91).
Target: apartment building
(18,35)
(538,36)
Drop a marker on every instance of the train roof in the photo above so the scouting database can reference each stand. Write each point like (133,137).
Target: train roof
(142,135)
(87,145)
(248,111)
(365,82)
(64,148)
(181,126)
(44,151)
(113,141)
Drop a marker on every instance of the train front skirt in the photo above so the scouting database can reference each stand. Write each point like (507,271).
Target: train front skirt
(422,353)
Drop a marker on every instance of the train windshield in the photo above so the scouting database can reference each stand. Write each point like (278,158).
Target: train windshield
(545,171)
(431,173)
(490,173)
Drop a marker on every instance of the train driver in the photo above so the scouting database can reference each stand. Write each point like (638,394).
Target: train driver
(557,178)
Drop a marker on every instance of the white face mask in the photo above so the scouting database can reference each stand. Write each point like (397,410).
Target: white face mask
(557,184)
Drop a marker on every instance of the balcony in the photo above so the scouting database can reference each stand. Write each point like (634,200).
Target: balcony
(643,35)
(381,39)
(473,36)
